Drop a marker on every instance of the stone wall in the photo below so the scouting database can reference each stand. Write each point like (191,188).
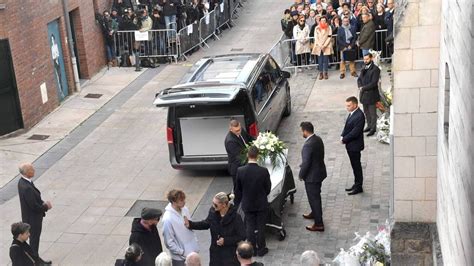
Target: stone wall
(415,101)
(455,154)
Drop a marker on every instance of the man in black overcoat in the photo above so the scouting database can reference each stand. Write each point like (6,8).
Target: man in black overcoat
(252,187)
(368,83)
(145,234)
(33,208)
(353,137)
(235,142)
(313,172)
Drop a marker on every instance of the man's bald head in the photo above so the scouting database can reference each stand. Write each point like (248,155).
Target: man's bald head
(193,259)
(27,170)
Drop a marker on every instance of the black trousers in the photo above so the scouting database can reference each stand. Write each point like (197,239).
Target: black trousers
(371,116)
(35,233)
(313,192)
(354,157)
(255,228)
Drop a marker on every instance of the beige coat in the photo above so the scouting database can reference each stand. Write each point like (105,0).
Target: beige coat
(322,41)
(302,39)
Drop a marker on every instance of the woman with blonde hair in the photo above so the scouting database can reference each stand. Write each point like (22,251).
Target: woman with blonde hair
(302,49)
(227,230)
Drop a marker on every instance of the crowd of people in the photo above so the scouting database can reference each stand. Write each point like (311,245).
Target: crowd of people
(127,15)
(328,31)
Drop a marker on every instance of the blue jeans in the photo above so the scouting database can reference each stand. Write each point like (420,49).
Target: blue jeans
(323,63)
(365,52)
(110,52)
(171,20)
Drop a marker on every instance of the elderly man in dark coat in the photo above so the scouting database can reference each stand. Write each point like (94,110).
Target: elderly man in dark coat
(368,83)
(145,234)
(33,208)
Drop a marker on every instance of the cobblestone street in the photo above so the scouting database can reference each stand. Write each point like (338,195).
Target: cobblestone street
(322,102)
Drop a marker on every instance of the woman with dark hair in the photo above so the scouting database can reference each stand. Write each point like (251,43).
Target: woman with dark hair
(335,24)
(380,37)
(133,255)
(227,230)
(322,46)
(21,253)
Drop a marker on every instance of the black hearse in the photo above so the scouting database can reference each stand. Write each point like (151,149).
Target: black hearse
(248,87)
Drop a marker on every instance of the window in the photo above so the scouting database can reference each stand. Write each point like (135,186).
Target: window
(447,92)
(265,84)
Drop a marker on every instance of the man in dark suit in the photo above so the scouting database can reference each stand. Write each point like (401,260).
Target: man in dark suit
(235,142)
(313,172)
(252,187)
(353,137)
(368,83)
(33,208)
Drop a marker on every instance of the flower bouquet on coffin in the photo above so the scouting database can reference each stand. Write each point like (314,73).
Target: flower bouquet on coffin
(270,147)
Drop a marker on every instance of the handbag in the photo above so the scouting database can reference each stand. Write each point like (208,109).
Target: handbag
(349,55)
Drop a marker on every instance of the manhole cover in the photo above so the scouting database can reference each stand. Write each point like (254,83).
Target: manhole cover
(38,137)
(137,207)
(93,95)
(236,49)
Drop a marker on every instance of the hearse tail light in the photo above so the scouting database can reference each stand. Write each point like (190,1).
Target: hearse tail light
(253,130)
(169,135)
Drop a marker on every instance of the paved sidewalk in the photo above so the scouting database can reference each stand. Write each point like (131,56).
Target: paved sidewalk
(58,124)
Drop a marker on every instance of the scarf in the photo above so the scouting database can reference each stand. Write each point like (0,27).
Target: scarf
(323,26)
(301,26)
(347,31)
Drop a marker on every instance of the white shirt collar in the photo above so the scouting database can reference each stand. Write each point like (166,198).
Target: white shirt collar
(27,179)
(309,137)
(354,110)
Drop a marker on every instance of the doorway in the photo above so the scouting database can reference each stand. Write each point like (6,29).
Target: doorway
(58,59)
(10,111)
(74,16)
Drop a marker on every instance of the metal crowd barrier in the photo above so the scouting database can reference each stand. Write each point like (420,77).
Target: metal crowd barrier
(284,52)
(223,14)
(189,37)
(173,44)
(208,26)
(158,43)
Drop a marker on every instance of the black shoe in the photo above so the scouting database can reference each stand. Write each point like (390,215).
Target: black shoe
(351,188)
(371,133)
(262,252)
(366,129)
(355,191)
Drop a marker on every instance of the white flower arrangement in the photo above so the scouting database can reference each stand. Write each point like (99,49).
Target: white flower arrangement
(369,250)
(269,146)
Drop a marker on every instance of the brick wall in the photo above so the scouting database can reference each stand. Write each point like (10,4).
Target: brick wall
(455,160)
(24,24)
(415,70)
